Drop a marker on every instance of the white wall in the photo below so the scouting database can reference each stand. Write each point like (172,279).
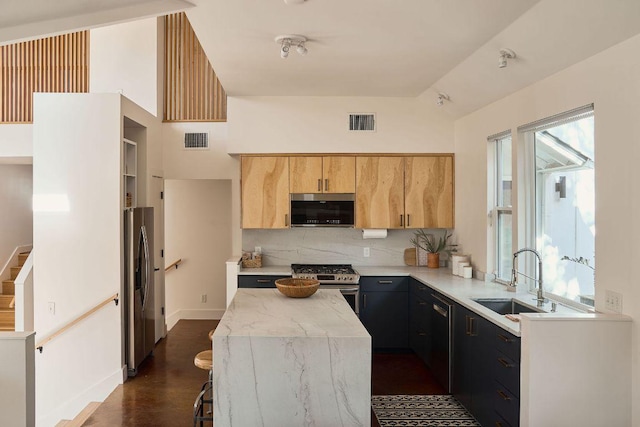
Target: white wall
(124,58)
(15,143)
(320,125)
(78,252)
(16,217)
(17,375)
(610,81)
(198,230)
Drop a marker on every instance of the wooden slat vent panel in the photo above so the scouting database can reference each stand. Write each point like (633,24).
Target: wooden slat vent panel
(53,64)
(192,91)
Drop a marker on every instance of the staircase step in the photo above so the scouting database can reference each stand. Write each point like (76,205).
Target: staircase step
(22,258)
(8,287)
(7,319)
(15,271)
(5,301)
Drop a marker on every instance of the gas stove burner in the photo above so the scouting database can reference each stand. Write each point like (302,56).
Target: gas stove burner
(326,273)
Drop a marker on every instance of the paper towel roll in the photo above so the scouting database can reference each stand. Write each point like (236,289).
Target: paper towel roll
(374,233)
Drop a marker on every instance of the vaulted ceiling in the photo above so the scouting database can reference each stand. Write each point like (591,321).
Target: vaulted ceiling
(403,48)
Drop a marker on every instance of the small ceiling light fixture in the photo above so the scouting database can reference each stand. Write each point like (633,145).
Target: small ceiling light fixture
(287,40)
(294,1)
(504,55)
(441,98)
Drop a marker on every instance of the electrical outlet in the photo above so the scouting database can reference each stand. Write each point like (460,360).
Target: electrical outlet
(203,298)
(52,308)
(258,249)
(613,301)
(367,252)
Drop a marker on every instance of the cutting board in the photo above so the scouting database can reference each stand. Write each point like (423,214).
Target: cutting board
(410,256)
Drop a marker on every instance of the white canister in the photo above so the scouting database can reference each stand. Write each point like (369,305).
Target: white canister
(467,272)
(455,259)
(461,266)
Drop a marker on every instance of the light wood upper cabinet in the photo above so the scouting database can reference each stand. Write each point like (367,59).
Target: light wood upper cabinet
(379,192)
(265,192)
(329,174)
(428,186)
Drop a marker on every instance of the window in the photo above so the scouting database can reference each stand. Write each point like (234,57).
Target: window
(502,211)
(561,213)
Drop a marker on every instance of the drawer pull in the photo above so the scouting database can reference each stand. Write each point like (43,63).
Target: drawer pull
(498,424)
(422,303)
(422,334)
(385,282)
(505,338)
(504,363)
(263,280)
(503,395)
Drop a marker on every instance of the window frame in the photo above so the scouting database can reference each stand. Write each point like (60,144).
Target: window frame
(531,202)
(497,208)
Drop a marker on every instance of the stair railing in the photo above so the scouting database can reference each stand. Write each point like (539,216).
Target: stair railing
(63,329)
(23,299)
(173,264)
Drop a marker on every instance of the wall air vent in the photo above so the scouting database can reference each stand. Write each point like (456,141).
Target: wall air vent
(196,141)
(362,122)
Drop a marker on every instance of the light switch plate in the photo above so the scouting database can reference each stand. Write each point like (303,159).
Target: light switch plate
(613,301)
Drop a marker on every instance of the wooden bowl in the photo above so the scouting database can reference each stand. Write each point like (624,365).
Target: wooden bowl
(297,288)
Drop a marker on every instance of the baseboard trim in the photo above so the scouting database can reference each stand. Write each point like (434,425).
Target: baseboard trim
(97,393)
(193,314)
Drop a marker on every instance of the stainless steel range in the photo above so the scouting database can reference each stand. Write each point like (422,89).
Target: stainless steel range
(332,276)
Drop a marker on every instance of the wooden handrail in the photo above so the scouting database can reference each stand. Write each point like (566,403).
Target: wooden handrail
(174,264)
(40,345)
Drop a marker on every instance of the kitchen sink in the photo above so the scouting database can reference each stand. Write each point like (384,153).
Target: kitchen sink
(506,305)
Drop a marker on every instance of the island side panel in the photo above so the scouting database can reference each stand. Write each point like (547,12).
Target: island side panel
(291,362)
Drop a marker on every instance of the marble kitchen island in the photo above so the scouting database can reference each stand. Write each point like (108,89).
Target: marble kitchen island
(281,361)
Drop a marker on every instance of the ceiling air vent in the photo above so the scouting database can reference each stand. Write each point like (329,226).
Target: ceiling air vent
(362,122)
(196,141)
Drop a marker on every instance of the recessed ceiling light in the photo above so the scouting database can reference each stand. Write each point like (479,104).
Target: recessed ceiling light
(294,1)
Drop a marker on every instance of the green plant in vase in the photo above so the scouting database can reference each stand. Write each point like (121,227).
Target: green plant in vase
(433,246)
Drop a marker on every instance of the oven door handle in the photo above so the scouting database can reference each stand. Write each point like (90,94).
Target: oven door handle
(349,290)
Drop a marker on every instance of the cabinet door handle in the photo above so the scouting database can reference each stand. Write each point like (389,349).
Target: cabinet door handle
(505,338)
(408,220)
(472,327)
(505,363)
(263,281)
(326,185)
(422,334)
(364,301)
(498,424)
(286,220)
(503,395)
(401,220)
(319,184)
(422,303)
(385,282)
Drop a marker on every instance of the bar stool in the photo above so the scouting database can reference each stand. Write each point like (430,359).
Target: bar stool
(204,360)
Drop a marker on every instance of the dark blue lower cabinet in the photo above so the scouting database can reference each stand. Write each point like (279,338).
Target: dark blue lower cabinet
(384,311)
(473,359)
(258,281)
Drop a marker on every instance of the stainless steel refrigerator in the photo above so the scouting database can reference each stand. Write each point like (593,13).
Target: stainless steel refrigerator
(138,287)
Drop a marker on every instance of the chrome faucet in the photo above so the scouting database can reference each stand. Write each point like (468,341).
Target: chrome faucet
(514,274)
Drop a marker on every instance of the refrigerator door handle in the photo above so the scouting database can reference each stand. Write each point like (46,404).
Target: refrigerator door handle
(145,241)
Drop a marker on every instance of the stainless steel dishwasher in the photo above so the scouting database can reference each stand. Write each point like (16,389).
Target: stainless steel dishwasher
(441,340)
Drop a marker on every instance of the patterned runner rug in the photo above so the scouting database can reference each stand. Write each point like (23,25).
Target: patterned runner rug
(421,411)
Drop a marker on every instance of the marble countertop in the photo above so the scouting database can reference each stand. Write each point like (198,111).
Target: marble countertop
(461,291)
(268,313)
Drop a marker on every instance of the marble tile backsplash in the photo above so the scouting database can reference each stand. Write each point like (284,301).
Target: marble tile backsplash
(327,246)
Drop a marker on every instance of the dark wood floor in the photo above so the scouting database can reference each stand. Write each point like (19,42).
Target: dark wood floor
(167,383)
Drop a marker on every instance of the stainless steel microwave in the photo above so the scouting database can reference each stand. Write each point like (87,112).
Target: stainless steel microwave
(322,210)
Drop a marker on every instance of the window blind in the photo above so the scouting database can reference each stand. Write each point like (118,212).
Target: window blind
(558,119)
